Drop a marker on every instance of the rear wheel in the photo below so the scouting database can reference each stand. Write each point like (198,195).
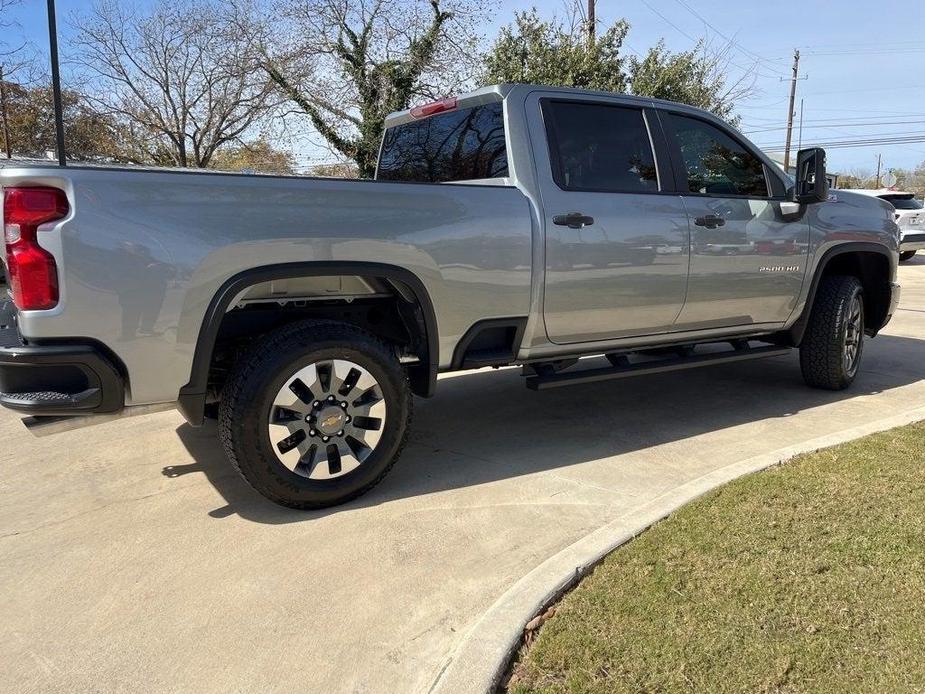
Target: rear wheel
(316,414)
(906,255)
(830,354)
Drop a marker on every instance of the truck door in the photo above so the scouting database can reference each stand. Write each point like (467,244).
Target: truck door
(749,245)
(616,245)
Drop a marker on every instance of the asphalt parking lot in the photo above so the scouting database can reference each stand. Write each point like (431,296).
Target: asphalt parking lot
(133,558)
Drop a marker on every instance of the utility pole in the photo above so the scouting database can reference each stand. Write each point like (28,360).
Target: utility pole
(879,160)
(591,23)
(7,145)
(793,94)
(56,82)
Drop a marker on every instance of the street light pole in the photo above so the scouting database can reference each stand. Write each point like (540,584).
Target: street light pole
(56,82)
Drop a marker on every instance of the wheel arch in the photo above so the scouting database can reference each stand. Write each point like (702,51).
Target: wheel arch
(873,264)
(423,376)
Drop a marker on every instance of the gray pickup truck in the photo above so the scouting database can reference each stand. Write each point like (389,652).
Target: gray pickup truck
(516,225)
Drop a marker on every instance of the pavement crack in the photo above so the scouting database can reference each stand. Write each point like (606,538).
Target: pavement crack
(470,456)
(588,485)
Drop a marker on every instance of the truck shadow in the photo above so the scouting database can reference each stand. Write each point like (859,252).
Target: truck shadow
(484,426)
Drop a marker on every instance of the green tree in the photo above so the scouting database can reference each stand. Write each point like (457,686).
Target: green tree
(347,65)
(849,181)
(911,180)
(560,53)
(258,156)
(29,118)
(696,77)
(557,53)
(338,170)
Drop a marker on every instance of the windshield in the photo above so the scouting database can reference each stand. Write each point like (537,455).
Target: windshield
(903,202)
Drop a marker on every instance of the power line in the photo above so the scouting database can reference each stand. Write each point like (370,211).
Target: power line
(868,89)
(870,110)
(745,51)
(861,44)
(696,40)
(669,22)
(884,51)
(873,119)
(823,126)
(858,48)
(910,138)
(882,136)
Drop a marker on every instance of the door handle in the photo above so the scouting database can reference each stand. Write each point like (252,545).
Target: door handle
(710,221)
(573,220)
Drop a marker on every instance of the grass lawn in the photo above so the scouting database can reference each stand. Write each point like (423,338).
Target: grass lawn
(809,576)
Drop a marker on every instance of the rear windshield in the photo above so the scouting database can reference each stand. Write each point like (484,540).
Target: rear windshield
(462,145)
(903,202)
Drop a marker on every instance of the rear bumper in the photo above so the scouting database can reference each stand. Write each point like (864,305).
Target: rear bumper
(55,379)
(912,241)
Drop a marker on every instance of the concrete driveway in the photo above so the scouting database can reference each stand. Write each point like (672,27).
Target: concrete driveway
(133,558)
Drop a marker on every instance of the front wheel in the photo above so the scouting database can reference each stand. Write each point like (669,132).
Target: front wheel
(316,414)
(906,255)
(830,354)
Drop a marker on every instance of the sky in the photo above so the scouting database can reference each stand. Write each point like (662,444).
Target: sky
(863,62)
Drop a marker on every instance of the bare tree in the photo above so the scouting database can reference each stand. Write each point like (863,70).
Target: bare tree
(178,77)
(8,48)
(346,64)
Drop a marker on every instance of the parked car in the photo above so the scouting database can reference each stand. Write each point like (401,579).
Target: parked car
(910,216)
(304,313)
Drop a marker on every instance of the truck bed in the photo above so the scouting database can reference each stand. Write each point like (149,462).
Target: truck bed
(148,249)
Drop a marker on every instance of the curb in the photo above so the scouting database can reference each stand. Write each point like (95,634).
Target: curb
(480,659)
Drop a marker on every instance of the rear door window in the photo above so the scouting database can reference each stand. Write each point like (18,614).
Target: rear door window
(714,163)
(599,148)
(903,202)
(462,145)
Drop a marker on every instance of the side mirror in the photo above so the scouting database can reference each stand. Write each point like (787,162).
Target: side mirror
(811,185)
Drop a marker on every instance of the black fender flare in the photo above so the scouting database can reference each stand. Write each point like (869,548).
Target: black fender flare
(799,327)
(192,398)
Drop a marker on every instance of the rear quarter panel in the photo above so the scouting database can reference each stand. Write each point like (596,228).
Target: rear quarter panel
(143,253)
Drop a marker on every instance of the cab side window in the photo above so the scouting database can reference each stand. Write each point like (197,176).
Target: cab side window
(714,162)
(599,148)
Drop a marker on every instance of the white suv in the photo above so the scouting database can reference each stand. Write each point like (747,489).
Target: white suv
(910,216)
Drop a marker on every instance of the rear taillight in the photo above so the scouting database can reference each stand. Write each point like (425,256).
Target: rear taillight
(32,272)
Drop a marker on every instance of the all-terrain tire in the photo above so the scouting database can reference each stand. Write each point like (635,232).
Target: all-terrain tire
(248,400)
(829,334)
(906,255)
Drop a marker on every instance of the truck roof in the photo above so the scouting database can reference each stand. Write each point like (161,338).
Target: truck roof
(499,92)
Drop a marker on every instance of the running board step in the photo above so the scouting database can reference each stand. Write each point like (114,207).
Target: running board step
(566,378)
